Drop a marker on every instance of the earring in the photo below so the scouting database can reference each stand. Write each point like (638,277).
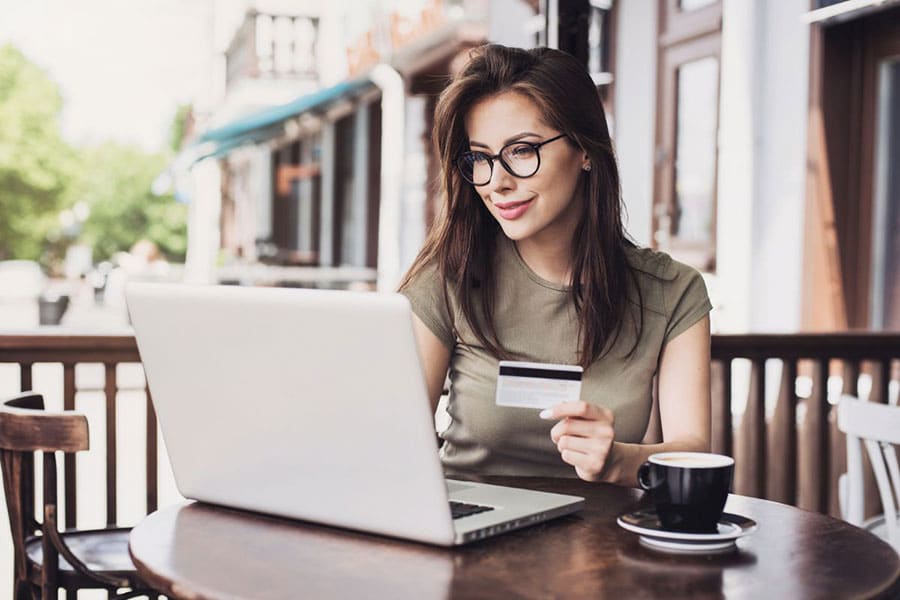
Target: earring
(586,167)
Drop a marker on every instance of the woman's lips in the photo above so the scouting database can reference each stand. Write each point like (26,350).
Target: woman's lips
(513,210)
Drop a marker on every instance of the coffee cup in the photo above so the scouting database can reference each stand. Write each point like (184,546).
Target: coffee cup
(688,489)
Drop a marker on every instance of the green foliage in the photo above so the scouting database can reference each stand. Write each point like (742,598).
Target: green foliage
(35,163)
(114,181)
(40,175)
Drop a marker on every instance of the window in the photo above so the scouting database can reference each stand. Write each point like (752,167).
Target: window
(584,29)
(297,202)
(356,187)
(684,211)
(345,242)
(599,60)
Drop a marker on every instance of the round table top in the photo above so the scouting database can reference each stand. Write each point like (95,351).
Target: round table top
(196,550)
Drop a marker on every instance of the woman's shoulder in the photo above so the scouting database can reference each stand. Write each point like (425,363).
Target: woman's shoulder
(657,264)
(661,278)
(652,263)
(423,279)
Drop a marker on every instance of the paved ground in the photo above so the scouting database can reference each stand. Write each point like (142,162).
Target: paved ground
(83,311)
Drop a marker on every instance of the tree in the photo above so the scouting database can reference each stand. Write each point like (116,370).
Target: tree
(35,163)
(40,175)
(114,181)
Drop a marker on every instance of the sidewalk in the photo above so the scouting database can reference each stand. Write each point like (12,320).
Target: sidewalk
(83,313)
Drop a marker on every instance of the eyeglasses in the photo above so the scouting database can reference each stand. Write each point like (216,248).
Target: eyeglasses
(520,159)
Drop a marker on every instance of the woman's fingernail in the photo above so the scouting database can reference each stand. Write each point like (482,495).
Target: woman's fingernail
(546,414)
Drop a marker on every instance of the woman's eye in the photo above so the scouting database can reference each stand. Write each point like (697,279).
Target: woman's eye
(522,151)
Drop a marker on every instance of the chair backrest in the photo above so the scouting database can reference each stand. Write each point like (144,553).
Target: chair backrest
(25,427)
(877,427)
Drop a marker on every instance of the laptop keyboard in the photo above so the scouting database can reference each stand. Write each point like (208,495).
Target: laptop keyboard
(461,509)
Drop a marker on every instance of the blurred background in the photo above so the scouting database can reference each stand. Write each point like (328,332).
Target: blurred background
(288,143)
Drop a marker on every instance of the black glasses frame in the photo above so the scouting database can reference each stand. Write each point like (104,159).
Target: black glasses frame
(499,156)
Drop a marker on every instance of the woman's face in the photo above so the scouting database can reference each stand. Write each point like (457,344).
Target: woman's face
(541,208)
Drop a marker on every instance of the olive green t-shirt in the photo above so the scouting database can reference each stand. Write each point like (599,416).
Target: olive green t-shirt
(536,321)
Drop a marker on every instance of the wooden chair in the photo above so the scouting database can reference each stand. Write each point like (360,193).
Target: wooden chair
(46,559)
(877,427)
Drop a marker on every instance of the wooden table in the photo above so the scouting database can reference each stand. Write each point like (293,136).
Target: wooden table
(200,551)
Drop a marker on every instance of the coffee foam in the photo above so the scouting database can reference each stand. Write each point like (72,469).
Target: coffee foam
(691,460)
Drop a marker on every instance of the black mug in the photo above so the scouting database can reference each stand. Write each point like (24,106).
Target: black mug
(688,489)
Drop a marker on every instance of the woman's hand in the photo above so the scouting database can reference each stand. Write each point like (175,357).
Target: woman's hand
(583,436)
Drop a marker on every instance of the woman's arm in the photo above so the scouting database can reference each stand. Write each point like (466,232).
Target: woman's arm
(684,405)
(435,359)
(584,436)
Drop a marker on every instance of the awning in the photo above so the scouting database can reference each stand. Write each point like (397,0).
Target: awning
(266,123)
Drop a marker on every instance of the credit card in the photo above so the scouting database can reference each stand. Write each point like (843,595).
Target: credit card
(537,385)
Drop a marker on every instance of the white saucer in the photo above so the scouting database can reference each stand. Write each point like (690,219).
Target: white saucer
(646,524)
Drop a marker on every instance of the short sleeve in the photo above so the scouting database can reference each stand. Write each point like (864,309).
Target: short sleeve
(425,293)
(686,300)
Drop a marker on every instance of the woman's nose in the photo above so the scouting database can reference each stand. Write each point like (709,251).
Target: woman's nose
(501,179)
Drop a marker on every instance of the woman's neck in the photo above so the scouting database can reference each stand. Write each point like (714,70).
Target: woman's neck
(549,260)
(548,253)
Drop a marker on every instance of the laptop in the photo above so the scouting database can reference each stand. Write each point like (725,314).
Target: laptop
(312,405)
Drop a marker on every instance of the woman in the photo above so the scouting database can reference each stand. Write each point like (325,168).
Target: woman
(529,260)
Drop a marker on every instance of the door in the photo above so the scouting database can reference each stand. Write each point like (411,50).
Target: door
(884,272)
(860,106)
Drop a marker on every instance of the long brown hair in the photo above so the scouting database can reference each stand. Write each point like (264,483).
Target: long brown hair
(462,241)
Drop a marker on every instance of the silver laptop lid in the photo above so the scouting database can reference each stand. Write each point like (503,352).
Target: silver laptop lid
(301,403)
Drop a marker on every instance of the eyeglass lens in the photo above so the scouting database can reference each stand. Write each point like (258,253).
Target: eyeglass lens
(520,159)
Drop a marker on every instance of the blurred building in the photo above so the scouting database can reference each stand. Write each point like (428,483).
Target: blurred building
(755,141)
(315,167)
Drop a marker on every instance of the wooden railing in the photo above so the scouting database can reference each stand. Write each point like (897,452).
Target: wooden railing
(790,453)
(786,444)
(70,351)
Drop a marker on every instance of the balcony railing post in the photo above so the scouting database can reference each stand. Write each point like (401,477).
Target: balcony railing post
(755,428)
(820,411)
(720,393)
(110,391)
(69,468)
(782,480)
(25,377)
